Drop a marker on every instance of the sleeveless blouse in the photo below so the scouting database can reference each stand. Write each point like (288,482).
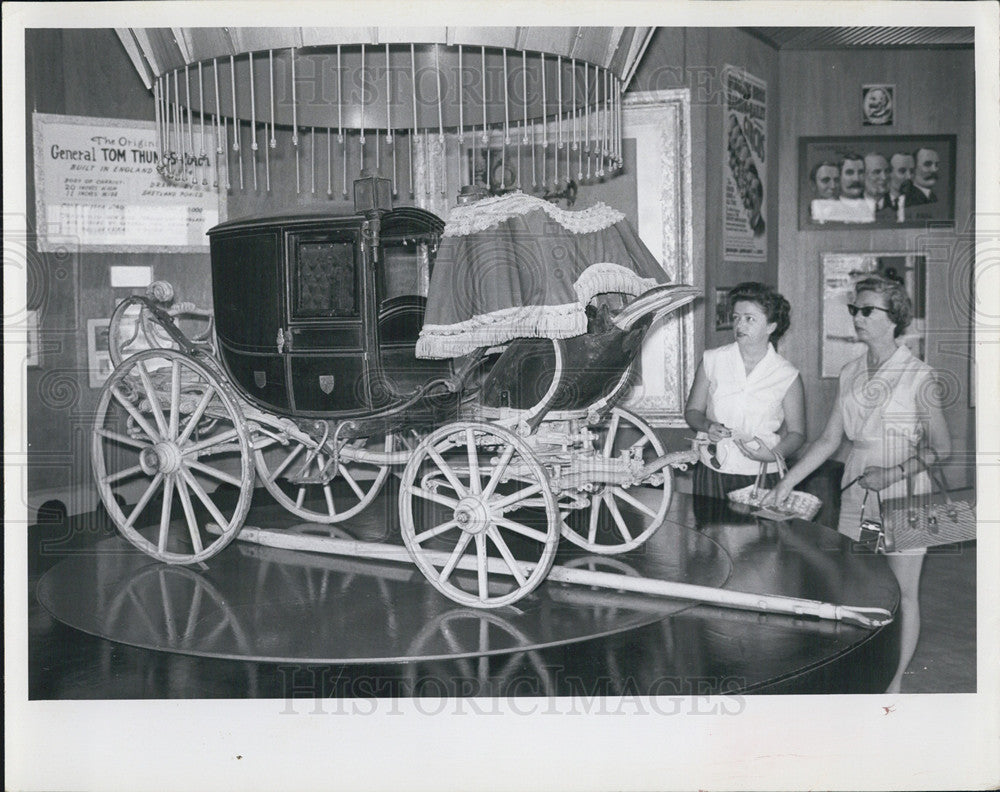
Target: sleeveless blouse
(748,404)
(885,417)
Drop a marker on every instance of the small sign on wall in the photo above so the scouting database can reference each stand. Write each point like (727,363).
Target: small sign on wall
(98,351)
(723,312)
(97,188)
(878,103)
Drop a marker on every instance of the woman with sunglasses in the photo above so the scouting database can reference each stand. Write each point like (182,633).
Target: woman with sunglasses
(887,407)
(746,402)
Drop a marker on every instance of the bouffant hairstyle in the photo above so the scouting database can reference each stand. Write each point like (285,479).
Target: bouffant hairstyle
(897,301)
(774,306)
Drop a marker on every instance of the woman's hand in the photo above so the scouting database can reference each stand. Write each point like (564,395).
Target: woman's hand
(778,495)
(756,450)
(878,478)
(717,432)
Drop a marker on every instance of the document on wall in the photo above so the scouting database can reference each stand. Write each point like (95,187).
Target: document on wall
(745,178)
(98,187)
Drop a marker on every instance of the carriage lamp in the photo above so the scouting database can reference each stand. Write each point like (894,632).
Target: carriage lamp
(372,198)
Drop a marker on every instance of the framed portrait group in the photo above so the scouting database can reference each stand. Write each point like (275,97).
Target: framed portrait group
(884,181)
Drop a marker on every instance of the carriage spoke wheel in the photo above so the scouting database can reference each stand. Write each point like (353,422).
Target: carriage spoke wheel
(171,444)
(477,514)
(301,478)
(620,518)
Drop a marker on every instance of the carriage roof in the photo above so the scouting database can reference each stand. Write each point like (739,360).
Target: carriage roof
(402,220)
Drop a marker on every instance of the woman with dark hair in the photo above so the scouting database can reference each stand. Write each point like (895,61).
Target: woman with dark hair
(746,402)
(887,407)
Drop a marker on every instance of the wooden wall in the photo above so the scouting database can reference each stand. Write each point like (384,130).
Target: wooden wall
(935,94)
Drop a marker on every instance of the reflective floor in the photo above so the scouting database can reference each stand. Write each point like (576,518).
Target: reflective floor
(262,622)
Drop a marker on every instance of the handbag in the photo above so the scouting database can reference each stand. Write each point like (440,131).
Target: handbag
(801,505)
(918,521)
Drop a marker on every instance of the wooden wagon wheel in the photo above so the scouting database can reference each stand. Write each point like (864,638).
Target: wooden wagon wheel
(167,430)
(619,518)
(301,478)
(475,506)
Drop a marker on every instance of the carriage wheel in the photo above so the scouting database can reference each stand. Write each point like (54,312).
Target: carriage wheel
(169,437)
(477,514)
(619,518)
(315,502)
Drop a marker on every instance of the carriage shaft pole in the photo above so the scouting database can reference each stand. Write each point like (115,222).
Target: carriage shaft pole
(766,603)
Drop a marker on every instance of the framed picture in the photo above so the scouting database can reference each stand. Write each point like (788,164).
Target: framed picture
(884,181)
(31,353)
(877,104)
(660,124)
(840,272)
(98,351)
(723,316)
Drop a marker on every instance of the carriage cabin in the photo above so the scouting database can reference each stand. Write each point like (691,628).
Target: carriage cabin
(312,321)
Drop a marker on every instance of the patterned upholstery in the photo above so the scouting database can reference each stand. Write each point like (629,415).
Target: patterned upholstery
(325,279)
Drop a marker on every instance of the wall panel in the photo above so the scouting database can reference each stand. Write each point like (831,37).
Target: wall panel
(935,94)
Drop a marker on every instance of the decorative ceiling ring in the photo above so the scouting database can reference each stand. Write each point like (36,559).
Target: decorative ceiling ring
(552,113)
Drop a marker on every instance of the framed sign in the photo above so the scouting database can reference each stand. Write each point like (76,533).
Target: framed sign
(723,314)
(98,189)
(888,181)
(98,351)
(745,177)
(32,349)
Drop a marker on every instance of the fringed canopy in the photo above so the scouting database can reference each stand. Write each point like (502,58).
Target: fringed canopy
(519,267)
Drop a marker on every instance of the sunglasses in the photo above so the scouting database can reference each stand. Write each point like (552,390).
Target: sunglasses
(864,310)
(713,451)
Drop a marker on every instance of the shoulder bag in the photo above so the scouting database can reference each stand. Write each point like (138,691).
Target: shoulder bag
(917,521)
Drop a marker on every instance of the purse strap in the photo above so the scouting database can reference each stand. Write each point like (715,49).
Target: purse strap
(938,479)
(878,502)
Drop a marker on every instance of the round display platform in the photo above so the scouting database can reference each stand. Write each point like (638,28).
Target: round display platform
(267,604)
(349,627)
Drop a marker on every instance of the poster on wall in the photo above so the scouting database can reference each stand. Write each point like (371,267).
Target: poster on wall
(97,188)
(745,179)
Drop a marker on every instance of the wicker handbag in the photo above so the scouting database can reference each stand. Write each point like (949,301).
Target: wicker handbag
(918,521)
(799,505)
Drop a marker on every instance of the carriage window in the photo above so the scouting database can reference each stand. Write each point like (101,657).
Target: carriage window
(405,269)
(325,279)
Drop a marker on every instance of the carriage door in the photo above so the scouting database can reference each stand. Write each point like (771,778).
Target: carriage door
(327,301)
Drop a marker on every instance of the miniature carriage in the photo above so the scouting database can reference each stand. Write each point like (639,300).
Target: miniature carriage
(477,365)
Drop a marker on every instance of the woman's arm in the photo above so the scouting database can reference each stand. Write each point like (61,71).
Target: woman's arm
(697,404)
(794,406)
(815,455)
(820,451)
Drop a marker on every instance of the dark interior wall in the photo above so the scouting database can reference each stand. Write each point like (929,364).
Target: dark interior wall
(935,94)
(79,72)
